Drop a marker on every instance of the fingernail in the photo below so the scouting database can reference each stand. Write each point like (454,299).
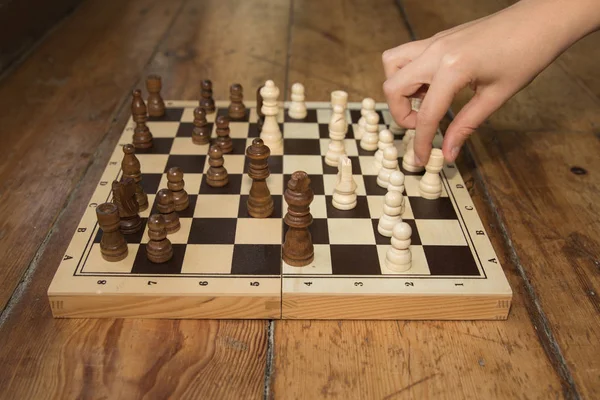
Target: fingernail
(454,152)
(418,160)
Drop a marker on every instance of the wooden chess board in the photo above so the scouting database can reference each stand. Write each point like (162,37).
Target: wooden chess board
(228,265)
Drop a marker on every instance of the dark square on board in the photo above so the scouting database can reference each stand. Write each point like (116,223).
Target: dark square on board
(329,170)
(275,164)
(142,265)
(131,238)
(354,260)
(256,259)
(441,208)
(371,186)
(232,187)
(306,147)
(150,183)
(316,183)
(405,172)
(159,146)
(450,260)
(277,207)
(311,116)
(254,132)
(239,147)
(187,213)
(360,211)
(171,114)
(225,112)
(415,239)
(213,231)
(186,129)
(189,164)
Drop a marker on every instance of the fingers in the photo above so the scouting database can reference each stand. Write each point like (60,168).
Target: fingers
(446,83)
(399,87)
(398,57)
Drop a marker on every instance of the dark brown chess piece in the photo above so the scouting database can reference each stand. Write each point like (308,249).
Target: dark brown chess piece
(298,249)
(259,103)
(216,175)
(156,105)
(159,249)
(124,198)
(206,99)
(113,246)
(176,185)
(131,169)
(166,207)
(260,202)
(223,140)
(237,109)
(201,132)
(142,138)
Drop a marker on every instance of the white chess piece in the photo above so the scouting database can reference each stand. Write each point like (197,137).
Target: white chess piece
(386,139)
(430,186)
(297,108)
(338,126)
(395,128)
(339,97)
(398,257)
(270,134)
(367,106)
(408,136)
(415,103)
(393,203)
(408,159)
(396,181)
(344,193)
(389,164)
(370,136)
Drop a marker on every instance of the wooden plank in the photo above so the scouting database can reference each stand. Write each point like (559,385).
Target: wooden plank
(137,358)
(581,61)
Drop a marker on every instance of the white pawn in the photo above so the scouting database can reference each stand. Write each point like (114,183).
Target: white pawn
(408,136)
(386,139)
(370,136)
(338,126)
(270,134)
(344,193)
(398,257)
(415,103)
(368,105)
(396,181)
(389,164)
(393,203)
(430,185)
(408,159)
(297,108)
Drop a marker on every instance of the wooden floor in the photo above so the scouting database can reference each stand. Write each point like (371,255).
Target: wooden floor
(64,106)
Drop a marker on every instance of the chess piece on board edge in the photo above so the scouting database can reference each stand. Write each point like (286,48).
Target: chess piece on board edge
(216,176)
(130,165)
(142,137)
(260,201)
(298,249)
(237,109)
(166,207)
(159,248)
(113,246)
(176,185)
(156,105)
(398,258)
(202,130)
(124,198)
(206,100)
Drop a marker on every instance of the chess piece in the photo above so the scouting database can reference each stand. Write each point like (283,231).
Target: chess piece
(270,134)
(113,246)
(156,105)
(166,207)
(216,175)
(367,106)
(259,103)
(176,185)
(338,126)
(430,186)
(396,182)
(159,249)
(142,138)
(339,97)
(130,165)
(398,257)
(370,136)
(206,99)
(408,159)
(415,103)
(408,136)
(389,164)
(223,140)
(297,108)
(393,203)
(201,132)
(395,128)
(298,249)
(237,109)
(344,193)
(124,199)
(260,202)
(386,139)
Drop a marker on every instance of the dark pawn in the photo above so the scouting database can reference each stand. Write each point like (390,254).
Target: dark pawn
(124,198)
(201,132)
(237,109)
(166,207)
(217,174)
(176,185)
(159,249)
(223,140)
(298,249)
(131,169)
(259,103)
(206,99)
(142,138)
(156,105)
(113,246)
(260,202)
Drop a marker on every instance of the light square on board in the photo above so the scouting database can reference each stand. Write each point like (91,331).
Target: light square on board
(217,206)
(191,182)
(321,265)
(376,207)
(440,232)
(308,164)
(146,212)
(366,165)
(179,237)
(349,145)
(411,186)
(237,130)
(184,145)
(324,116)
(96,264)
(329,182)
(163,129)
(152,163)
(418,266)
(253,117)
(318,207)
(350,231)
(258,231)
(233,163)
(188,114)
(207,259)
(301,130)
(274,183)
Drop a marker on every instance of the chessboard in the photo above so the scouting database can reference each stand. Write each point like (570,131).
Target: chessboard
(227,264)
